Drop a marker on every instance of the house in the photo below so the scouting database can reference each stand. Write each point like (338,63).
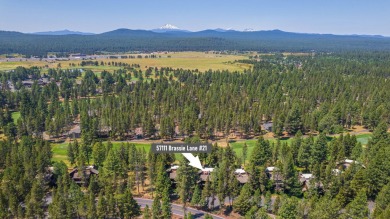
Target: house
(75,132)
(82,178)
(78,56)
(307,182)
(304,179)
(336,172)
(267,126)
(276,176)
(43,81)
(205,173)
(49,176)
(345,164)
(173,173)
(241,175)
(28,83)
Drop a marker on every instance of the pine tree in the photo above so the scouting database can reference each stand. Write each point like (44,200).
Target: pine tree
(91,207)
(268,202)
(147,214)
(189,216)
(359,180)
(207,216)
(156,208)
(36,199)
(261,153)
(357,151)
(257,213)
(196,197)
(166,204)
(380,133)
(244,152)
(101,209)
(206,193)
(293,120)
(131,207)
(186,181)
(162,181)
(98,153)
(292,185)
(378,169)
(243,202)
(382,200)
(385,214)
(358,207)
(276,205)
(296,145)
(288,209)
(72,154)
(325,208)
(319,150)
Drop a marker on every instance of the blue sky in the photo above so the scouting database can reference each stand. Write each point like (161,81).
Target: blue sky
(309,16)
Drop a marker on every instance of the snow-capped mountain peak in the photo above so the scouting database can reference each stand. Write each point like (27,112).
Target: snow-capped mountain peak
(169,27)
(248,30)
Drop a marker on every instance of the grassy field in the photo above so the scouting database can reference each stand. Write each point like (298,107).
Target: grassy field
(364,138)
(186,60)
(237,146)
(12,65)
(60,150)
(15,116)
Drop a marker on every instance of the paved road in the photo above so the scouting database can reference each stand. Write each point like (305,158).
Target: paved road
(177,209)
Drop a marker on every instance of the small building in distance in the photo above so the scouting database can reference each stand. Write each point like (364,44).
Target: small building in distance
(307,181)
(276,176)
(28,83)
(173,172)
(345,164)
(83,177)
(205,173)
(241,175)
(267,126)
(78,56)
(74,132)
(304,179)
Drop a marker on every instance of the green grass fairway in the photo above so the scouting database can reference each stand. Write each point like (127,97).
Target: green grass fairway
(237,146)
(137,145)
(15,116)
(60,150)
(364,138)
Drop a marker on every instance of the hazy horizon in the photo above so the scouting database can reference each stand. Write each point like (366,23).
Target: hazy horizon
(304,16)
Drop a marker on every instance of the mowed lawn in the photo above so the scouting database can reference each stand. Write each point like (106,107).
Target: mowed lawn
(60,150)
(363,138)
(15,116)
(238,145)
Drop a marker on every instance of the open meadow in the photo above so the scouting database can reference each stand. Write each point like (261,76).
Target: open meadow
(185,60)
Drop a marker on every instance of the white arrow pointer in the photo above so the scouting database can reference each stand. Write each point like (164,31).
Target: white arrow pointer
(194,161)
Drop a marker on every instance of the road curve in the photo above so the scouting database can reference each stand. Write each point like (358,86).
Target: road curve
(177,209)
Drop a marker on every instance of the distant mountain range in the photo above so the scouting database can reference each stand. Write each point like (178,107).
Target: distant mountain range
(172,28)
(62,32)
(172,38)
